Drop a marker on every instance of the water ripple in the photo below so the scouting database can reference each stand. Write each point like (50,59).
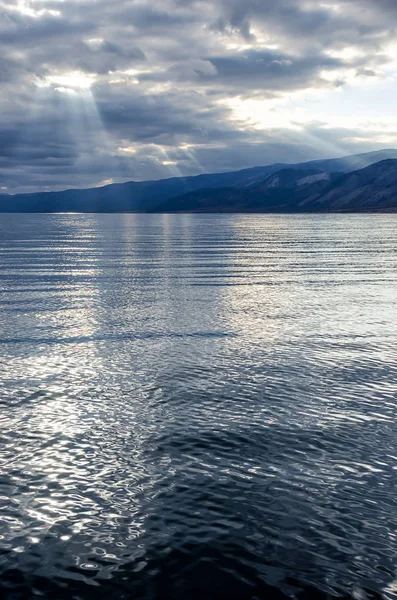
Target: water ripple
(198,407)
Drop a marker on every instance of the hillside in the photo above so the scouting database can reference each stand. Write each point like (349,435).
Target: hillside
(219,191)
(373,188)
(281,191)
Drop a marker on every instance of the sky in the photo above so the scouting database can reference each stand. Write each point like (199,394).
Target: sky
(102,91)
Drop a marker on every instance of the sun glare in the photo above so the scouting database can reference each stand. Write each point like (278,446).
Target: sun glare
(24,8)
(70,82)
(127,150)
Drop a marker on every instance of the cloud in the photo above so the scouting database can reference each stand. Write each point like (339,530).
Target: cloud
(174,81)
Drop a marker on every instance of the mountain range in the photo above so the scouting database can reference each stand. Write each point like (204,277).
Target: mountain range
(363,182)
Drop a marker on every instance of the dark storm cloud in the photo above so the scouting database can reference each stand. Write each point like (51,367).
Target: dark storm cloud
(162,76)
(9,69)
(309,23)
(270,70)
(20,30)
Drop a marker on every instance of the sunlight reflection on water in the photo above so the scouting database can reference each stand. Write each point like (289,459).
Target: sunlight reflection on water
(196,403)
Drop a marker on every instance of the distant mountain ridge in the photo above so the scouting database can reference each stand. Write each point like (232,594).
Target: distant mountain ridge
(373,188)
(330,184)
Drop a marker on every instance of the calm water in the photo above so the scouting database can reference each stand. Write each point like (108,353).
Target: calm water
(198,407)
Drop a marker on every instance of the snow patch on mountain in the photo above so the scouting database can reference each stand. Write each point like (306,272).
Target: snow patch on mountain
(313,179)
(274,183)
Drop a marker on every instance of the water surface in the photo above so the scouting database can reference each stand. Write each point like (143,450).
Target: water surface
(198,407)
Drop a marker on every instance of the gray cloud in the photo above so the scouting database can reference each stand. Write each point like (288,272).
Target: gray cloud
(162,75)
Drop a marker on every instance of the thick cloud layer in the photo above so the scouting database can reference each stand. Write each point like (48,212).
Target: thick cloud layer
(96,91)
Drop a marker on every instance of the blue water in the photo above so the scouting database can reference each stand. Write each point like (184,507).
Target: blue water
(198,407)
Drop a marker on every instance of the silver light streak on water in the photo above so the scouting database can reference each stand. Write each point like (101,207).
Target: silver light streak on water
(199,404)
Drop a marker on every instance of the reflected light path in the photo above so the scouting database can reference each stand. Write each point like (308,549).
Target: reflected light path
(195,403)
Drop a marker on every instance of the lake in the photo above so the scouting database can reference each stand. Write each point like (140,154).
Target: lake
(198,406)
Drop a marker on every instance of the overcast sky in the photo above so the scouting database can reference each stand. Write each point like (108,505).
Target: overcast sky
(94,91)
